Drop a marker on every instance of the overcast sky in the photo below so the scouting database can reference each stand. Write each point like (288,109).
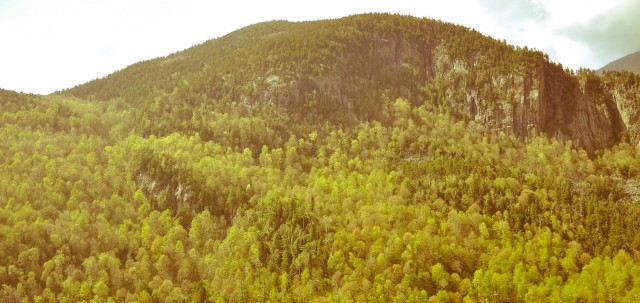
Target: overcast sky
(48,45)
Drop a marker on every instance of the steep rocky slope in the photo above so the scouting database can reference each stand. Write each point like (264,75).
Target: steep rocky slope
(624,89)
(351,69)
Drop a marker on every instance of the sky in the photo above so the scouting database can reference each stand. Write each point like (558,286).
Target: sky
(48,45)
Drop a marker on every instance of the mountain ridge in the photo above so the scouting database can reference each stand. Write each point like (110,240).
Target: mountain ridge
(354,63)
(630,62)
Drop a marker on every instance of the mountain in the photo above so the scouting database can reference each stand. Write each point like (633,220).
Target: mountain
(347,70)
(629,62)
(372,158)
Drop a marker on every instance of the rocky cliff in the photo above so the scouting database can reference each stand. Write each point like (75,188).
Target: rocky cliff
(535,97)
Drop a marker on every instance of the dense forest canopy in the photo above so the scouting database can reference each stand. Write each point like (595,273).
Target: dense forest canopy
(364,159)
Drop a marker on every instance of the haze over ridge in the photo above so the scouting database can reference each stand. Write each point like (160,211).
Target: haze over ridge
(48,47)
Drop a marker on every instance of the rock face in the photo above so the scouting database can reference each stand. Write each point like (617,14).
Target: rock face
(536,97)
(547,99)
(624,88)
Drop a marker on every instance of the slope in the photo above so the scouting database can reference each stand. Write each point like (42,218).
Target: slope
(423,209)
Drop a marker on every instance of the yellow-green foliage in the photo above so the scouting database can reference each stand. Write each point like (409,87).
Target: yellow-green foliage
(96,207)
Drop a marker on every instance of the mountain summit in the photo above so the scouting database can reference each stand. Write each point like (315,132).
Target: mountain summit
(629,62)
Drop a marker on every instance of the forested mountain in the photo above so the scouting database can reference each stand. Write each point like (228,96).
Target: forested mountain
(347,70)
(629,62)
(373,158)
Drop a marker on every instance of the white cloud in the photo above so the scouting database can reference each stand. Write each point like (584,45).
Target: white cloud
(50,45)
(566,13)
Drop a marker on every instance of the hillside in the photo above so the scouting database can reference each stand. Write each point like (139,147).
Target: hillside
(374,158)
(629,62)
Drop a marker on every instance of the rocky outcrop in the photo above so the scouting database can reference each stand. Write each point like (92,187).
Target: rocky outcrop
(541,98)
(530,96)
(624,88)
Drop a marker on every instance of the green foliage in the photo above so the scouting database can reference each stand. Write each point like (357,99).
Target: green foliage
(174,187)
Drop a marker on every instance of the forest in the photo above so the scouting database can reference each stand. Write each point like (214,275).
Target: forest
(293,169)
